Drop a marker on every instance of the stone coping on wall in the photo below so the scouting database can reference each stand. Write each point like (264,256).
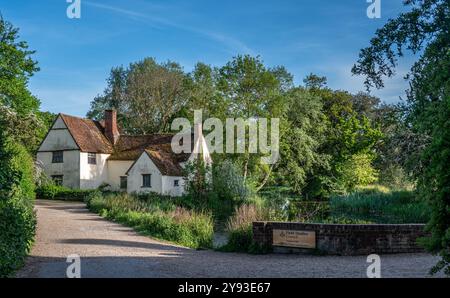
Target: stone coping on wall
(341,239)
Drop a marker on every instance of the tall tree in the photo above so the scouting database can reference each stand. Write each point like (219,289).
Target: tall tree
(424,30)
(251,91)
(205,94)
(113,96)
(20,118)
(304,129)
(16,67)
(147,96)
(367,105)
(349,140)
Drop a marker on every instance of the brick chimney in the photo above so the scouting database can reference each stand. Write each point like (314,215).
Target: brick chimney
(111,131)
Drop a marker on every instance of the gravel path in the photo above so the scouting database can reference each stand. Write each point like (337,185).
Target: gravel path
(111,250)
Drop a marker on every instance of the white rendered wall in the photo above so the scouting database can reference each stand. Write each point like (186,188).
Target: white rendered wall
(116,169)
(92,176)
(70,169)
(144,165)
(169,188)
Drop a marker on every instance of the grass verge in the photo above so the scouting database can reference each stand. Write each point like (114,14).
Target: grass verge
(154,218)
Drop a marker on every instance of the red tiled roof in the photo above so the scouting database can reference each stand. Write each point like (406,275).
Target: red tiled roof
(88,134)
(131,147)
(165,160)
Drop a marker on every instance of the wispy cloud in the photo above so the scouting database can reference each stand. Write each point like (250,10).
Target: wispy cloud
(232,44)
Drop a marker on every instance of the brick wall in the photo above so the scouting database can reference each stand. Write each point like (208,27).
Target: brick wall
(347,239)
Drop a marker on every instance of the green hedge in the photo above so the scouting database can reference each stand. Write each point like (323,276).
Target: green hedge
(55,192)
(17,218)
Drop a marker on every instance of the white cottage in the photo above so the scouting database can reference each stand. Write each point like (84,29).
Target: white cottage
(84,154)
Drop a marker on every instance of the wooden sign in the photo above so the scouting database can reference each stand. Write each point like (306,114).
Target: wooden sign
(291,238)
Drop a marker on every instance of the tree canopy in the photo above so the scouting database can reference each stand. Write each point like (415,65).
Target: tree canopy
(425,31)
(19,109)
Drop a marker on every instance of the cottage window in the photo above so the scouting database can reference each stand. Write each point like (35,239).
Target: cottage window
(176,183)
(57,179)
(92,158)
(123,182)
(147,180)
(58,157)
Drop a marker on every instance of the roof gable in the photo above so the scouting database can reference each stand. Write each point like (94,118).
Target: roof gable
(88,134)
(59,123)
(164,159)
(58,137)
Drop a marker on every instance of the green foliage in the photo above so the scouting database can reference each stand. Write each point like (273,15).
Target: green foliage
(423,30)
(353,140)
(19,109)
(218,190)
(396,207)
(323,132)
(341,220)
(228,183)
(17,219)
(147,96)
(17,224)
(248,87)
(172,223)
(55,192)
(395,176)
(204,93)
(28,129)
(396,153)
(241,240)
(303,133)
(197,176)
(22,128)
(15,69)
(251,90)
(239,228)
(356,171)
(305,211)
(20,168)
(434,186)
(16,170)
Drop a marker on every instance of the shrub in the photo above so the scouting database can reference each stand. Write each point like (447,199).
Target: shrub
(17,225)
(197,180)
(395,177)
(149,215)
(239,228)
(244,216)
(357,170)
(17,218)
(300,210)
(50,191)
(228,183)
(220,195)
(239,239)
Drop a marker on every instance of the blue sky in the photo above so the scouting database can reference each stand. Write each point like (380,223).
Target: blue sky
(76,55)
